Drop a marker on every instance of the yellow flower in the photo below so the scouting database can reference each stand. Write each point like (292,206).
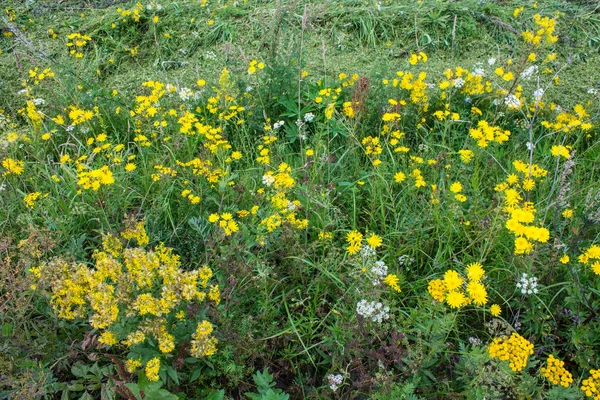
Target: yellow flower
(495,310)
(452,280)
(392,281)
(374,241)
(152,368)
(455,299)
(475,272)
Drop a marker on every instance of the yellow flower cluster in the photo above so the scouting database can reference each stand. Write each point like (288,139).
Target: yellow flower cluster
(562,151)
(254,65)
(152,368)
(522,214)
(591,385)
(591,257)
(514,349)
(225,222)
(12,166)
(484,134)
(458,292)
(96,178)
(373,149)
(556,373)
(130,294)
(135,13)
(37,76)
(544,32)
(569,122)
(354,240)
(202,343)
(392,281)
(76,43)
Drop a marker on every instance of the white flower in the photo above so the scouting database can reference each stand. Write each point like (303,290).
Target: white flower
(459,82)
(512,101)
(39,101)
(248,89)
(335,381)
(593,91)
(308,117)
(278,125)
(527,284)
(185,94)
(479,72)
(537,95)
(491,61)
(268,180)
(529,72)
(530,146)
(23,91)
(367,251)
(377,312)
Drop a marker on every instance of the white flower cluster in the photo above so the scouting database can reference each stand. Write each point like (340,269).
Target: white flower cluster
(367,251)
(379,271)
(512,101)
(185,93)
(268,180)
(529,72)
(335,381)
(537,95)
(278,124)
(459,82)
(405,260)
(308,117)
(375,311)
(527,284)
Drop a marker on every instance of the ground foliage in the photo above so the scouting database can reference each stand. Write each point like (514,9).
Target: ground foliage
(299,199)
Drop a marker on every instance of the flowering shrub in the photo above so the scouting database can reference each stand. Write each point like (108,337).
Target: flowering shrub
(136,298)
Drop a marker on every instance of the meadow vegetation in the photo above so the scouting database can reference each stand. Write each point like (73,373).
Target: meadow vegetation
(218,199)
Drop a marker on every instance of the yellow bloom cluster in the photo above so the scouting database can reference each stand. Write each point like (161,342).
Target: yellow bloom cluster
(202,343)
(569,122)
(373,149)
(129,294)
(76,43)
(254,65)
(591,257)
(152,368)
(354,240)
(591,385)
(544,33)
(484,134)
(135,13)
(562,151)
(458,292)
(96,178)
(37,76)
(522,214)
(556,373)
(225,222)
(392,281)
(12,166)
(514,349)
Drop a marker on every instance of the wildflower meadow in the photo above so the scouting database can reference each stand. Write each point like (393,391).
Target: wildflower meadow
(299,199)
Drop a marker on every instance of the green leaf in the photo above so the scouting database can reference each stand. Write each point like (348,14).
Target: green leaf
(86,396)
(196,374)
(7,329)
(216,395)
(173,374)
(79,370)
